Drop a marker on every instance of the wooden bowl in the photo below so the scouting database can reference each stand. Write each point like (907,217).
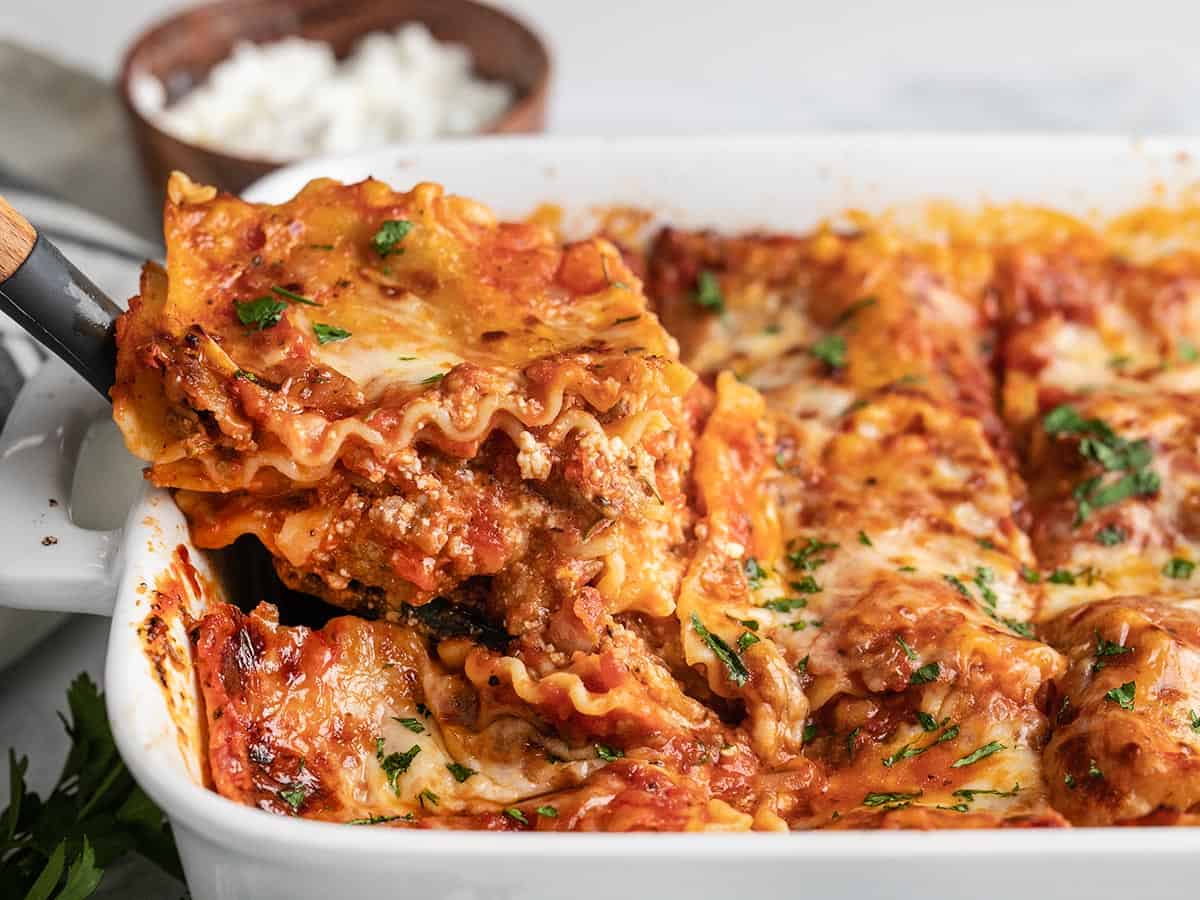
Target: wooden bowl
(180,52)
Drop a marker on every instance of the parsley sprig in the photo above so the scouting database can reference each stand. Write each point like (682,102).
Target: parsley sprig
(735,668)
(95,814)
(1100,444)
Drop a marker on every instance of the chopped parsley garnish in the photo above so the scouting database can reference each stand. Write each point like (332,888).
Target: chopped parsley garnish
(293,296)
(746,640)
(806,585)
(1094,770)
(1179,568)
(808,557)
(749,623)
(260,313)
(908,751)
(433,379)
(927,673)
(907,569)
(411,724)
(1061,576)
(1111,535)
(1195,717)
(786,604)
(427,796)
(957,807)
(928,722)
(1030,575)
(708,293)
(969,794)
(395,764)
(320,246)
(328,334)
(607,753)
(460,772)
(548,811)
(1106,648)
(1100,444)
(831,350)
(377,820)
(853,310)
(985,543)
(754,573)
(738,673)
(294,797)
(516,815)
(890,800)
(851,739)
(625,320)
(391,233)
(1188,352)
(957,584)
(983,575)
(1122,696)
(243,375)
(802,668)
(1119,362)
(976,755)
(810,732)
(908,651)
(864,539)
(1069,781)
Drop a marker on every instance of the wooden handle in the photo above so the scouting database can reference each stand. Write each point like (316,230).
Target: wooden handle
(17,238)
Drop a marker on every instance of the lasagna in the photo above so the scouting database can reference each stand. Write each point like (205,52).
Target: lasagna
(879,526)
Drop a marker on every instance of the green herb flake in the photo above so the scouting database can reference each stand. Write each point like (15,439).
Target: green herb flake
(806,585)
(755,574)
(395,764)
(957,807)
(260,313)
(957,584)
(747,639)
(1195,717)
(328,334)
(811,556)
(294,797)
(1094,770)
(391,232)
(737,671)
(831,350)
(433,379)
(1187,352)
(460,772)
(907,569)
(810,732)
(928,722)
(851,740)
(1061,576)
(411,724)
(908,650)
(864,539)
(708,293)
(853,310)
(1179,568)
(243,375)
(802,668)
(625,320)
(548,811)
(890,800)
(976,755)
(516,815)
(969,794)
(1111,535)
(293,296)
(427,796)
(1030,575)
(927,673)
(607,753)
(908,751)
(786,604)
(1105,649)
(1122,696)
(378,820)
(1069,781)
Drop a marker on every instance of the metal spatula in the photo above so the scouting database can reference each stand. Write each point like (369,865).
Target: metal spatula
(55,302)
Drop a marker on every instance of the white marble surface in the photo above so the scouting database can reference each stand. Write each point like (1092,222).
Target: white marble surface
(660,66)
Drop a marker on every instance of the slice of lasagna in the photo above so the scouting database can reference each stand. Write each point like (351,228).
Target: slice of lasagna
(396,392)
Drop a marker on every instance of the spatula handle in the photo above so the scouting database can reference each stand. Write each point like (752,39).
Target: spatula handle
(55,302)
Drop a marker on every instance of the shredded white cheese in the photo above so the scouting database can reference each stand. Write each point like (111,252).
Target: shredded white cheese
(292,98)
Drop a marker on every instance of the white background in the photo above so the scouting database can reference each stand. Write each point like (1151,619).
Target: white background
(661,66)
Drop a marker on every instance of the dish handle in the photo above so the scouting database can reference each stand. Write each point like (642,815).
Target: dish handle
(48,559)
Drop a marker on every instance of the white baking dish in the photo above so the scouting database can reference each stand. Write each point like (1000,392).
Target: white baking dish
(232,851)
